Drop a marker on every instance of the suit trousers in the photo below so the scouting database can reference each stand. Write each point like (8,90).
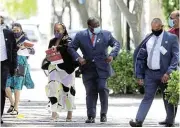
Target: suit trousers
(4,74)
(95,85)
(152,82)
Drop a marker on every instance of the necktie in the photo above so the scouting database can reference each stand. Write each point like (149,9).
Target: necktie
(151,53)
(92,38)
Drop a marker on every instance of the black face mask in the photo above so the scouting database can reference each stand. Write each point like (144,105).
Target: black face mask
(157,33)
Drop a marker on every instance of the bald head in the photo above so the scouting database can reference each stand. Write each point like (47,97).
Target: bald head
(156,24)
(175,15)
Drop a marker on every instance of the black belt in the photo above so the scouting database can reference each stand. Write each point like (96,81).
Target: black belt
(90,61)
(155,70)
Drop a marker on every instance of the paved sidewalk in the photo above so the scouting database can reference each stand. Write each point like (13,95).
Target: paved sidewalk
(121,109)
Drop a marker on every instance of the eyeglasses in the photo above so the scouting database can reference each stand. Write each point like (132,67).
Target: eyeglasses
(172,18)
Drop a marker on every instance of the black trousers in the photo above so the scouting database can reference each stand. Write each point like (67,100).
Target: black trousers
(4,74)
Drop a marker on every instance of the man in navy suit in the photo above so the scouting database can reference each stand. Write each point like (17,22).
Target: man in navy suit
(95,65)
(173,22)
(154,59)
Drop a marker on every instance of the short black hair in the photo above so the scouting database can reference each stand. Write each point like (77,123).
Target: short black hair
(92,19)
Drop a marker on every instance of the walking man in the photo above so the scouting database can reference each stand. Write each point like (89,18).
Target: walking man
(174,24)
(95,65)
(155,58)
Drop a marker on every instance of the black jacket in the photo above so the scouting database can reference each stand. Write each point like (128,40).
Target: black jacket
(69,65)
(11,49)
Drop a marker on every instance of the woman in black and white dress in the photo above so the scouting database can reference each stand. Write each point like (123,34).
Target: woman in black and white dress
(60,89)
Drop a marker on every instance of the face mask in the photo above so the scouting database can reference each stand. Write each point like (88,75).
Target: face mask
(157,33)
(17,35)
(97,30)
(171,23)
(58,35)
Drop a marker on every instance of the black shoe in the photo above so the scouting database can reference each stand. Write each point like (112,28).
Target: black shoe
(2,121)
(169,125)
(11,108)
(135,123)
(90,120)
(103,118)
(163,122)
(14,112)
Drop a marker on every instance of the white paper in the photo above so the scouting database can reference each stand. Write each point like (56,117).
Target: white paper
(163,50)
(23,52)
(27,41)
(57,61)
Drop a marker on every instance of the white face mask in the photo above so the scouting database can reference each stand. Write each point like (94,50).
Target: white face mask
(97,30)
(171,23)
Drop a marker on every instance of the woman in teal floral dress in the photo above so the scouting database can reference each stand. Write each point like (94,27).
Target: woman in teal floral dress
(16,82)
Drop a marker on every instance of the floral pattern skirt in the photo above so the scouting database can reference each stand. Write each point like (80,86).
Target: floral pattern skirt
(17,82)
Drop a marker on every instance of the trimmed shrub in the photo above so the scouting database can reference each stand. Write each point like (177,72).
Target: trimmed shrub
(173,88)
(123,82)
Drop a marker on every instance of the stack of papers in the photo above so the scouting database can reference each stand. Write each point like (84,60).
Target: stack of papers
(54,57)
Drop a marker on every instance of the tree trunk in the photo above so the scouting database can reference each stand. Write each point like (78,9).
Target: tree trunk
(116,21)
(133,18)
(70,13)
(92,8)
(82,12)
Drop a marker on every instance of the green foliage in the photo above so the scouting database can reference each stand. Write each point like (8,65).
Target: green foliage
(123,81)
(173,88)
(169,6)
(26,8)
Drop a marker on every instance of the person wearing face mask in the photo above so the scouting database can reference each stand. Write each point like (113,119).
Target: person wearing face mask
(174,22)
(174,25)
(61,86)
(15,83)
(95,65)
(154,60)
(8,59)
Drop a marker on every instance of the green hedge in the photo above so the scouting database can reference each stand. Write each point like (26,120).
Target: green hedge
(123,82)
(173,88)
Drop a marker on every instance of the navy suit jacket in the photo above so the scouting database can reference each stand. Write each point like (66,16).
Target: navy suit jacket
(96,54)
(168,61)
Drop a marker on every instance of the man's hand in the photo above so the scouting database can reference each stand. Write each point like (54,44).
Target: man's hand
(109,59)
(82,61)
(165,78)
(140,82)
